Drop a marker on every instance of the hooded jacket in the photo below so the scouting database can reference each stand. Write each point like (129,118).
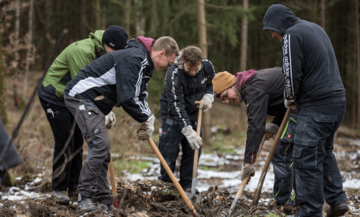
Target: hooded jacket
(118,78)
(181,90)
(67,65)
(311,71)
(263,94)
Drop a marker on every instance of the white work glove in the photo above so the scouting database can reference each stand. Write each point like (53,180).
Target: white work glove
(146,129)
(206,102)
(247,171)
(290,104)
(194,140)
(271,130)
(110,120)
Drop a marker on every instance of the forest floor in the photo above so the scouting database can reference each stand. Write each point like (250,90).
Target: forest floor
(27,192)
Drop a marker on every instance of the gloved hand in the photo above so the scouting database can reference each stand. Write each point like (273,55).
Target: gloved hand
(110,120)
(271,130)
(194,140)
(206,102)
(247,171)
(290,104)
(146,129)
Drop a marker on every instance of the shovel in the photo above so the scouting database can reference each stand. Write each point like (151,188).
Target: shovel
(113,186)
(243,182)
(269,158)
(172,177)
(196,157)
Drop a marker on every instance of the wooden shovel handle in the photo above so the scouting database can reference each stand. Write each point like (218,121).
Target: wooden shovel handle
(269,158)
(172,177)
(196,153)
(113,185)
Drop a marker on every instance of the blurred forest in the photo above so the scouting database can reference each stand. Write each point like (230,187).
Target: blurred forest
(232,34)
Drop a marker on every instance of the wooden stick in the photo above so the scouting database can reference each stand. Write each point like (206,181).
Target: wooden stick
(196,153)
(269,158)
(113,184)
(244,182)
(172,177)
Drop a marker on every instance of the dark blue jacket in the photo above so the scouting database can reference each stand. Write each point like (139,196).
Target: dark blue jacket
(311,71)
(181,90)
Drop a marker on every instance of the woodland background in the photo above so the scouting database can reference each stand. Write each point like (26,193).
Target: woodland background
(228,31)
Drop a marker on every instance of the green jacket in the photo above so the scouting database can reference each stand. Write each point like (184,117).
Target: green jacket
(67,65)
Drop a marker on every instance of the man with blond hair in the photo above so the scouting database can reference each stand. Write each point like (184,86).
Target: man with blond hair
(117,79)
(187,81)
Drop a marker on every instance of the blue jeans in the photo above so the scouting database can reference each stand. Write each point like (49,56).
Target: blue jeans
(317,174)
(61,120)
(170,139)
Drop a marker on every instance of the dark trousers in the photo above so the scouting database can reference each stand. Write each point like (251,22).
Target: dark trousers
(93,181)
(170,138)
(61,121)
(283,173)
(317,174)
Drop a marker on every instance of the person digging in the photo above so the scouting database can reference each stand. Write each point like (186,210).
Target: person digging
(186,81)
(51,95)
(117,79)
(313,82)
(262,92)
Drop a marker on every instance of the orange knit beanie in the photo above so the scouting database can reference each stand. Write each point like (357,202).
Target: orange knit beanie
(222,81)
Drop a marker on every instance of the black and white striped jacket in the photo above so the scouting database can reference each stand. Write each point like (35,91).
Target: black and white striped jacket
(181,90)
(118,78)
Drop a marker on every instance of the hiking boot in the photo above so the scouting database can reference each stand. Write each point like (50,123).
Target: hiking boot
(73,194)
(86,204)
(189,190)
(60,197)
(338,210)
(105,207)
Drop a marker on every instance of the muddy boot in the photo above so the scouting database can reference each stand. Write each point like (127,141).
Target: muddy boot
(105,207)
(86,204)
(73,195)
(60,197)
(338,210)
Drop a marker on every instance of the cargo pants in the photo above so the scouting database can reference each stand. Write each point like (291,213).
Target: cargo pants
(93,181)
(317,174)
(170,138)
(282,162)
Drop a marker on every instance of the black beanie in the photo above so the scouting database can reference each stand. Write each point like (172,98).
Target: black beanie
(115,37)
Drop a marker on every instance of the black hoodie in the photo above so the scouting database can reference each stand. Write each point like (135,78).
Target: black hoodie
(118,78)
(311,71)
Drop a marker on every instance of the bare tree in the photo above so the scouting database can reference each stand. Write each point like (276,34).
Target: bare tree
(139,19)
(358,56)
(28,56)
(2,72)
(203,47)
(17,55)
(127,16)
(323,6)
(243,57)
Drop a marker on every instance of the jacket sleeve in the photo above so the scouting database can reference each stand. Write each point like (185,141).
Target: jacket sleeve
(210,75)
(292,62)
(257,102)
(131,91)
(174,94)
(78,59)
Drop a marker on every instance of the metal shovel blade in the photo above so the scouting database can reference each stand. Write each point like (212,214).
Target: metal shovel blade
(191,196)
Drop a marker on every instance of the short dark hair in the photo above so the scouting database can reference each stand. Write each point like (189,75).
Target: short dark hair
(192,55)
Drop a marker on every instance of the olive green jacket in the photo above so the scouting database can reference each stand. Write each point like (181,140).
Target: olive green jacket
(67,65)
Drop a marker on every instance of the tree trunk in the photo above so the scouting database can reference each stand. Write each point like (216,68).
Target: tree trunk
(17,56)
(139,19)
(103,15)
(28,56)
(127,16)
(323,6)
(98,14)
(82,18)
(203,47)
(2,106)
(358,57)
(243,58)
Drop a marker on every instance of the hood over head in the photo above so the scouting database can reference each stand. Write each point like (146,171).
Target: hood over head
(97,40)
(132,43)
(279,18)
(147,42)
